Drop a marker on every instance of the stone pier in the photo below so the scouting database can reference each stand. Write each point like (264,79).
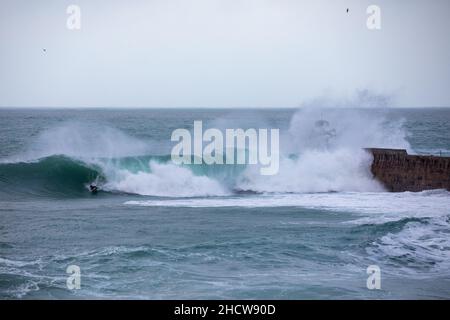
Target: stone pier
(398,171)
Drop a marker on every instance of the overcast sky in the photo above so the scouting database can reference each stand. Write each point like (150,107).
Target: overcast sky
(222,53)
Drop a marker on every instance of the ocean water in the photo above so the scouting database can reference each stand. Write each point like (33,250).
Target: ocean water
(160,231)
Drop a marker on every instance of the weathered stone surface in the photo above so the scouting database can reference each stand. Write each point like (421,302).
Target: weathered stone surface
(398,171)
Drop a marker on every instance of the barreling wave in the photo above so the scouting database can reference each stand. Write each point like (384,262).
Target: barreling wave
(54,175)
(320,151)
(63,176)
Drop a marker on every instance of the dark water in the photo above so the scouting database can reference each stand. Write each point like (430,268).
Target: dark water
(156,230)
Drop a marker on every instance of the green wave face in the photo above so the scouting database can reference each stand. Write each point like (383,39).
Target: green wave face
(55,175)
(62,176)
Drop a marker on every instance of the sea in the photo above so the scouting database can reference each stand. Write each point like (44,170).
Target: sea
(157,230)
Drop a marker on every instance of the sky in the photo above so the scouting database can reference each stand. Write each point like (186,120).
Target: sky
(223,53)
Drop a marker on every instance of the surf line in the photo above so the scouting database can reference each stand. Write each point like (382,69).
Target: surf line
(238,147)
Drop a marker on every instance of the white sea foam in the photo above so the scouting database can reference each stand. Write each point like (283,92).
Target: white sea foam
(17,263)
(316,171)
(328,144)
(166,180)
(321,151)
(371,207)
(419,245)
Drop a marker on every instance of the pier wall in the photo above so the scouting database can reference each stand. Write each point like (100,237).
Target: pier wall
(398,171)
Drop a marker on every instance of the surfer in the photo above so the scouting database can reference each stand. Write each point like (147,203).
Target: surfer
(93,188)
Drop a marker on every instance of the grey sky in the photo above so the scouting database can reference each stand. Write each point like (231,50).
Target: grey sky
(222,53)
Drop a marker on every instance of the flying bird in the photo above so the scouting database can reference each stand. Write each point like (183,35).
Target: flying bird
(347,10)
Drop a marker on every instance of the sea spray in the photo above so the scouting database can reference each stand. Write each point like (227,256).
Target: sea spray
(320,151)
(233,146)
(82,141)
(165,180)
(316,171)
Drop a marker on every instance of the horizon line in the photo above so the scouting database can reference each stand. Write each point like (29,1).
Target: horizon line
(218,108)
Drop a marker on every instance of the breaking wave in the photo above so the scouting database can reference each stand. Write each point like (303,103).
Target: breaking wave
(320,151)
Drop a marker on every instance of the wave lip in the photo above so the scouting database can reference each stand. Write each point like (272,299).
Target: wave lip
(55,175)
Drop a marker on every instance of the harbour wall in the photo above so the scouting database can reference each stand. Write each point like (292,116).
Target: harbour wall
(398,171)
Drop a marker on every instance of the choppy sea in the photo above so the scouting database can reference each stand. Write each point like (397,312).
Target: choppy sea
(156,230)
